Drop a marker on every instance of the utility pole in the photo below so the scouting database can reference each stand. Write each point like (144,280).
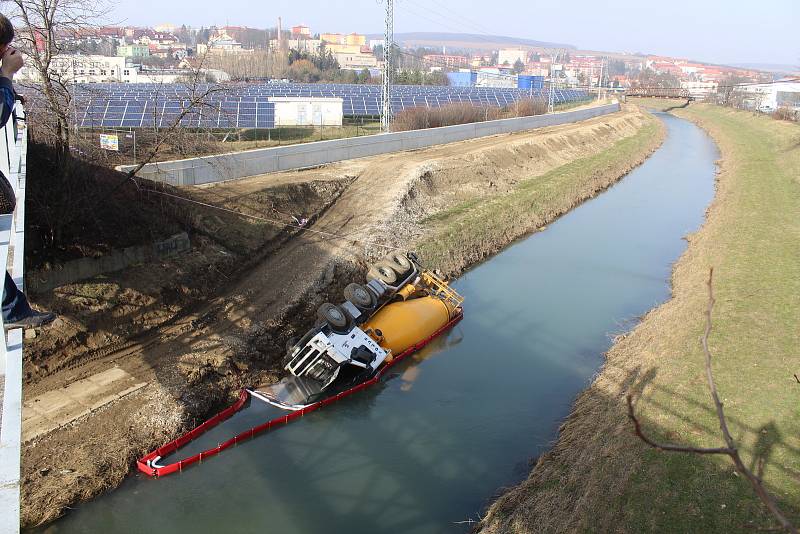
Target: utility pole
(74,103)
(600,78)
(551,94)
(388,68)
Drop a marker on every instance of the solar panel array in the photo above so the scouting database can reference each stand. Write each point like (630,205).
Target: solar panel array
(247,105)
(148,112)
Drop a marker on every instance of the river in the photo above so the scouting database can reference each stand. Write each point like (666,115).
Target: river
(425,450)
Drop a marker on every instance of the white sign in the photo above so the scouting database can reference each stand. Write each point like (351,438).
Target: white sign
(109,142)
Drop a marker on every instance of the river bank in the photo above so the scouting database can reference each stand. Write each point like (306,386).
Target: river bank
(599,476)
(196,362)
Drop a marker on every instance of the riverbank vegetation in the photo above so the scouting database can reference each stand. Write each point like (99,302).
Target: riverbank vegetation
(599,476)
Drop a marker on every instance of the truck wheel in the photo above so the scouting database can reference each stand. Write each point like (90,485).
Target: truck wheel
(384,272)
(334,316)
(363,298)
(399,261)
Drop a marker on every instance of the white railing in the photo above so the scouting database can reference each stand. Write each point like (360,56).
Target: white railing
(13,157)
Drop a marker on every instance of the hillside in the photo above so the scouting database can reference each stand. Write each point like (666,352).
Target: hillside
(468,41)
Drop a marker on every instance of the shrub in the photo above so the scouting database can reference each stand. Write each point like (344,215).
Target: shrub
(425,117)
(786,114)
(528,108)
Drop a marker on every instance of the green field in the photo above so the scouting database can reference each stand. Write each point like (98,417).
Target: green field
(599,477)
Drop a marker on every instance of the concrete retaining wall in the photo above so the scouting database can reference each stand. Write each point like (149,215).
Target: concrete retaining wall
(83,268)
(223,167)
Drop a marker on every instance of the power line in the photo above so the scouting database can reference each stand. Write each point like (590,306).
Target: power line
(587,86)
(451,15)
(273,221)
(445,65)
(445,17)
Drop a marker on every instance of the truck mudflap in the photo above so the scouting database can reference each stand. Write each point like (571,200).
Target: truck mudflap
(149,463)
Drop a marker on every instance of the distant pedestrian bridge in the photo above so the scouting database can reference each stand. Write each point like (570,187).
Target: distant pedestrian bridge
(659,92)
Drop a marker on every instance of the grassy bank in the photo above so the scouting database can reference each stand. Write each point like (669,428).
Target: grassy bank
(599,477)
(478,228)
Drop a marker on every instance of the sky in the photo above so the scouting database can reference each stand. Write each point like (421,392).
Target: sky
(717,31)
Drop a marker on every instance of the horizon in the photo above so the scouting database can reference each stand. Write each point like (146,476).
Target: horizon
(717,31)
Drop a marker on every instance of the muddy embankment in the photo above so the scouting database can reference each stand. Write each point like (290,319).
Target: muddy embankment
(456,204)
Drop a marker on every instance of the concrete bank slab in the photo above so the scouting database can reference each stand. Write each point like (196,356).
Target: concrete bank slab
(54,409)
(223,167)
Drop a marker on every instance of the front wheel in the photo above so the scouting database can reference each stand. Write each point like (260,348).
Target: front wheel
(334,316)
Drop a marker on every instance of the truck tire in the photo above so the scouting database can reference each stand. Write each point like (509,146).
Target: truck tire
(399,261)
(384,272)
(363,298)
(336,317)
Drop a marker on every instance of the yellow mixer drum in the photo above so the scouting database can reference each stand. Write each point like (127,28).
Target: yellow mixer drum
(408,322)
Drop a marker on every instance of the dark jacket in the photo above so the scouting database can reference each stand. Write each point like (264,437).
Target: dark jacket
(6,100)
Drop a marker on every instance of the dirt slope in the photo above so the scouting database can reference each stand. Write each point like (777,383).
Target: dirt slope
(196,360)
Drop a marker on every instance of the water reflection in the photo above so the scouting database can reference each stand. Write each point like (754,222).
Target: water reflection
(437,346)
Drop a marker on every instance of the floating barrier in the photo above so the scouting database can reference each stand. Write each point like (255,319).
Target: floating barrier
(149,464)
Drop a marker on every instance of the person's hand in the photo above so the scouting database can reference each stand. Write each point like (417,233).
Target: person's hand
(12,62)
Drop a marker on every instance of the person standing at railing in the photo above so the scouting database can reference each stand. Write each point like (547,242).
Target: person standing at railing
(17,313)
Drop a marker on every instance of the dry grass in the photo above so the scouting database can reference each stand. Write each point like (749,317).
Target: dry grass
(425,117)
(599,477)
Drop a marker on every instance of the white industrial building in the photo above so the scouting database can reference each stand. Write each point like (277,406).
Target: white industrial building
(494,77)
(699,89)
(311,111)
(79,68)
(509,56)
(308,46)
(767,97)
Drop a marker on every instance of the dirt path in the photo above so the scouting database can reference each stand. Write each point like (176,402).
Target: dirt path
(195,362)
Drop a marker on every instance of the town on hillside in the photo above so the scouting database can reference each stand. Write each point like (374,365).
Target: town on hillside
(169,53)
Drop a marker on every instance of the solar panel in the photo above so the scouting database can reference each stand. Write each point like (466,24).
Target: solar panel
(246,105)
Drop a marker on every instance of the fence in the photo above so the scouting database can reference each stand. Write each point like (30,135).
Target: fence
(13,153)
(218,168)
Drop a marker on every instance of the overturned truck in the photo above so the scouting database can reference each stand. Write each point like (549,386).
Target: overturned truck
(400,305)
(401,308)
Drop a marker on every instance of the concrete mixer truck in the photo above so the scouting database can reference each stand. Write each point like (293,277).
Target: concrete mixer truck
(401,307)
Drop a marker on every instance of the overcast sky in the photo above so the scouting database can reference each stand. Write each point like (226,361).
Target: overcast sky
(722,31)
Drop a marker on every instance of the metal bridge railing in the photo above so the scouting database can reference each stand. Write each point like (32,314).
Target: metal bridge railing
(13,157)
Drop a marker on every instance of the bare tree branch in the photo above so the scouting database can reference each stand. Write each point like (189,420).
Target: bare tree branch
(637,428)
(46,27)
(730,449)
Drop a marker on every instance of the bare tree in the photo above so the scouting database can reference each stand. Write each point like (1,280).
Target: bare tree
(197,99)
(730,449)
(44,29)
(72,191)
(255,64)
